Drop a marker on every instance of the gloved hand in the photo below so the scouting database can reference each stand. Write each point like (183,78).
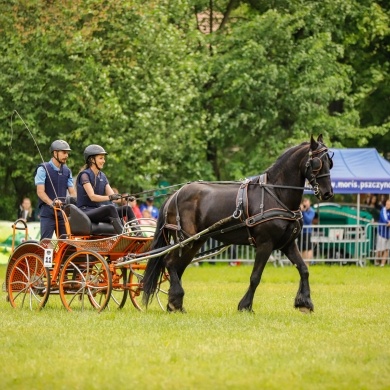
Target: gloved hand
(56,203)
(130,198)
(115,196)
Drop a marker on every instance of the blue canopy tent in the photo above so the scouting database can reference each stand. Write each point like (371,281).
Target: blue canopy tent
(360,171)
(355,171)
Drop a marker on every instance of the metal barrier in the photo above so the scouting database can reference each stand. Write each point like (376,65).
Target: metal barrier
(338,244)
(331,244)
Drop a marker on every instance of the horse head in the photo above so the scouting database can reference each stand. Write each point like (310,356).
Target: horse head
(317,169)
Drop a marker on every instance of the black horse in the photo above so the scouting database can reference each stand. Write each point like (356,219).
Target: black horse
(262,211)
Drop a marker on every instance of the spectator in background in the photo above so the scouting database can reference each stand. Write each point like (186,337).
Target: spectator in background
(367,200)
(375,203)
(150,206)
(136,210)
(25,211)
(383,239)
(146,214)
(304,239)
(382,201)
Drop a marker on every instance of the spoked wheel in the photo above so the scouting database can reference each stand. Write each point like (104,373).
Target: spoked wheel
(135,287)
(85,276)
(119,291)
(28,283)
(162,291)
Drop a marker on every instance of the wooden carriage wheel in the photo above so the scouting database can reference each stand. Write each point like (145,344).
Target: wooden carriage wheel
(85,277)
(28,282)
(118,292)
(135,287)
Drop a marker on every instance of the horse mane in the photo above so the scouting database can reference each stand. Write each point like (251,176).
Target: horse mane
(282,159)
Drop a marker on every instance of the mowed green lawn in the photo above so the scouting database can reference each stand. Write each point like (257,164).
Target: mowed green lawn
(345,344)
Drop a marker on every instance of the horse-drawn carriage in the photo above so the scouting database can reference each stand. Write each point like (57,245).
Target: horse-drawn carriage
(81,268)
(262,211)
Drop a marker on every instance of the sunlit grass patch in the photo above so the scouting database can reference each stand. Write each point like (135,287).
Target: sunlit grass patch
(343,344)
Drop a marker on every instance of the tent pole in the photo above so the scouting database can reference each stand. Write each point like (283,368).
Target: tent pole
(358,210)
(358,227)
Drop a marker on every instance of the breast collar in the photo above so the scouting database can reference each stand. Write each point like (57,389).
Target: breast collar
(242,206)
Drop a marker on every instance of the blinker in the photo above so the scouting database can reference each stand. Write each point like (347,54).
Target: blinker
(316,164)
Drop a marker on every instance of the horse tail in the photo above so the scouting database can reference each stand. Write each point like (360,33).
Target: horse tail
(155,266)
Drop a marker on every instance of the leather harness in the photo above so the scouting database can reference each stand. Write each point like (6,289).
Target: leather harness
(242,207)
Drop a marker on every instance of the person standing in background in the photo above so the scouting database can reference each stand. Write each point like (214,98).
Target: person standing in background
(383,238)
(150,206)
(136,210)
(25,211)
(304,239)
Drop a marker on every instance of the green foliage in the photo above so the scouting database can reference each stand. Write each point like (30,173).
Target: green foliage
(172,103)
(270,85)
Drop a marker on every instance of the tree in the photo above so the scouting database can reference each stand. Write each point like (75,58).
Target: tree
(115,74)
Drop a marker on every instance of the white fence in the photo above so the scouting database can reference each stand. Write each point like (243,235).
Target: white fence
(340,244)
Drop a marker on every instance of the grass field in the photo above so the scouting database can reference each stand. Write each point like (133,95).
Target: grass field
(345,344)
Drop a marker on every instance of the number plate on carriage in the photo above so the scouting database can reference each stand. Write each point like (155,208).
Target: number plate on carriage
(48,258)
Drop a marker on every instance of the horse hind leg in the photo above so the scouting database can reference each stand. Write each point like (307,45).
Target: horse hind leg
(175,292)
(176,265)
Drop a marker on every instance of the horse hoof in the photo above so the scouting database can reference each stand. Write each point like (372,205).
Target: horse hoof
(304,310)
(246,310)
(172,309)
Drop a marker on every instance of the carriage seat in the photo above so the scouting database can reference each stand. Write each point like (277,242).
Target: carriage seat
(81,225)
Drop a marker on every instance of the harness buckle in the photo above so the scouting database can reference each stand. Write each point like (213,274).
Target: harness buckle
(297,214)
(237,213)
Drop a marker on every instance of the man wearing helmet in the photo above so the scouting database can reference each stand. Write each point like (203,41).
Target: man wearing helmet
(53,179)
(93,189)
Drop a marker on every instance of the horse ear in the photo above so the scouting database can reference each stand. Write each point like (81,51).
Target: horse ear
(319,139)
(313,143)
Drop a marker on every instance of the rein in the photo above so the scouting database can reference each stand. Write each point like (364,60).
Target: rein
(214,182)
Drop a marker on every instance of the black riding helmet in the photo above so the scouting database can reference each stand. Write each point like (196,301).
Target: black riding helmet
(93,150)
(59,144)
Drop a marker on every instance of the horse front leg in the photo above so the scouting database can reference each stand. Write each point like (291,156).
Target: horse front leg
(262,255)
(302,300)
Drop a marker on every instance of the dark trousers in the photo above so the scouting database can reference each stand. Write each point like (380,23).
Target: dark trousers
(48,223)
(104,213)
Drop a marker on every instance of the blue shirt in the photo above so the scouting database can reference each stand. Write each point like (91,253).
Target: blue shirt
(384,217)
(153,210)
(40,177)
(308,216)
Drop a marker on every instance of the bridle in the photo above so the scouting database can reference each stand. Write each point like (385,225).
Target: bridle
(313,166)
